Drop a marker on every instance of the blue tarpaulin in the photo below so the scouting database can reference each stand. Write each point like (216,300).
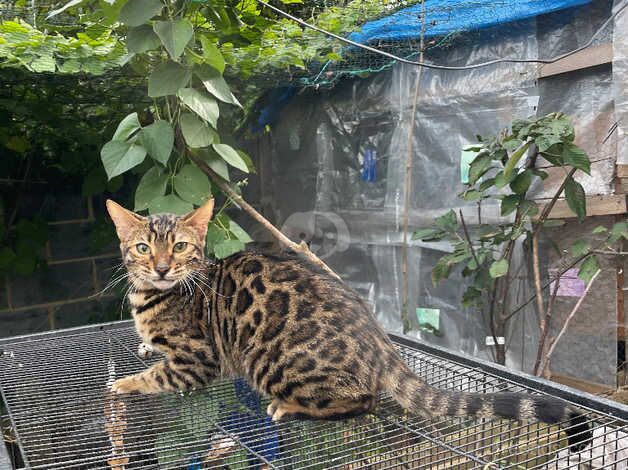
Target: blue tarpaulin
(448,16)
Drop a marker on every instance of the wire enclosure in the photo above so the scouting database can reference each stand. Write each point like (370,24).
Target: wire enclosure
(54,386)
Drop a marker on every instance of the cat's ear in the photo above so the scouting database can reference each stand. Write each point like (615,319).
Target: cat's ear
(197,220)
(124,220)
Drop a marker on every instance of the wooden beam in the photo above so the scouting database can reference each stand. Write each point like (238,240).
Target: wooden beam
(596,205)
(584,385)
(589,57)
(622,170)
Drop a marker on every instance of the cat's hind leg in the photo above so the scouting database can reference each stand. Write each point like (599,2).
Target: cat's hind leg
(330,409)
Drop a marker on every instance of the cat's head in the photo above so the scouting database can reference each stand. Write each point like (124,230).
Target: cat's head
(161,250)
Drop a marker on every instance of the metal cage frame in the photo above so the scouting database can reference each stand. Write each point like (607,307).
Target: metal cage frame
(54,388)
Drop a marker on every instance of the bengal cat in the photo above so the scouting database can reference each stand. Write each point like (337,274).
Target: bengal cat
(297,335)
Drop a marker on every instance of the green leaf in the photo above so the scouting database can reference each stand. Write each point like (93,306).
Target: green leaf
(239,232)
(151,186)
(141,39)
(554,155)
(425,233)
(619,230)
(202,104)
(215,235)
(472,195)
(529,208)
(127,127)
(544,142)
(95,182)
(196,132)
(522,182)
(192,185)
(440,271)
(118,157)
(487,184)
(580,247)
(228,248)
(509,204)
(215,163)
(498,268)
(7,256)
(215,84)
(447,222)
(174,35)
(479,166)
(576,157)
(232,157)
(511,143)
(588,268)
(600,229)
(471,296)
(247,160)
(167,79)
(137,12)
(25,265)
(576,198)
(212,55)
(158,139)
(540,173)
(171,204)
(501,180)
(514,159)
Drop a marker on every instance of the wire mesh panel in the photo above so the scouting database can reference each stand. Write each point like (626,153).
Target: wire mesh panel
(56,391)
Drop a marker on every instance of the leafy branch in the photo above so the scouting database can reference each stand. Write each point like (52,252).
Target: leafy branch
(499,173)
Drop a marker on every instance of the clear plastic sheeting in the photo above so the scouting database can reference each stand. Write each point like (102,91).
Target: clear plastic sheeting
(334,170)
(620,82)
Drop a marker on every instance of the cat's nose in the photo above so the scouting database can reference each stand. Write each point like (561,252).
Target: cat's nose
(162,269)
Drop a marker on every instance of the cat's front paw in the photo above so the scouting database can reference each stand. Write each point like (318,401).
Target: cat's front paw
(127,385)
(145,351)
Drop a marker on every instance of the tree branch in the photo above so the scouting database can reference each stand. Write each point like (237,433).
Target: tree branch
(301,248)
(545,329)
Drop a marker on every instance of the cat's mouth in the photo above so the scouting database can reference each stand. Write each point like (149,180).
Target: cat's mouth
(163,284)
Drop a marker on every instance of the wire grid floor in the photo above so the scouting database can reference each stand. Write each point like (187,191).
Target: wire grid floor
(55,389)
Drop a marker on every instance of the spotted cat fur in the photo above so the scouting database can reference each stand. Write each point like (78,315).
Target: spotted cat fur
(297,335)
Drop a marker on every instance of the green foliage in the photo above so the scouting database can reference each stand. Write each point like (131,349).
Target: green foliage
(21,45)
(184,74)
(52,128)
(504,170)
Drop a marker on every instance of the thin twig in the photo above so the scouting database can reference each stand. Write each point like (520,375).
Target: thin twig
(548,356)
(538,288)
(545,329)
(301,248)
(468,238)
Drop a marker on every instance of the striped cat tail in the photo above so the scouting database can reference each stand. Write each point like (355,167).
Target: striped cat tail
(416,396)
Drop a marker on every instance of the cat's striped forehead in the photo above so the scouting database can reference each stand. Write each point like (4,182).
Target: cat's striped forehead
(162,226)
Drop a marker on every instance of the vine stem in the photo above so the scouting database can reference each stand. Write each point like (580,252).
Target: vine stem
(300,248)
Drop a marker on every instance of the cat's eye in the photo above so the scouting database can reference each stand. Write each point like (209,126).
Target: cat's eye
(142,248)
(180,246)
